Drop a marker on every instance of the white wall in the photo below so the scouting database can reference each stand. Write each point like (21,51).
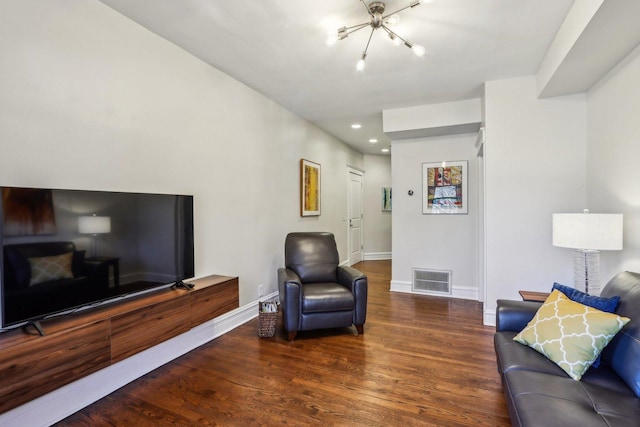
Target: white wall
(613,150)
(91,100)
(439,242)
(535,165)
(377,224)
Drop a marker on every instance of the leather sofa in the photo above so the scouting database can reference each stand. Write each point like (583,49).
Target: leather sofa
(315,292)
(539,393)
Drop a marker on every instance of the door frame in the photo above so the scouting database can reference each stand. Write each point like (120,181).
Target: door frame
(359,172)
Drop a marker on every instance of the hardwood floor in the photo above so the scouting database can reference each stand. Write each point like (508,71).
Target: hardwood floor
(421,361)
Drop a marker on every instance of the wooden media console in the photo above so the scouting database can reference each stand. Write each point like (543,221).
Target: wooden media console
(77,345)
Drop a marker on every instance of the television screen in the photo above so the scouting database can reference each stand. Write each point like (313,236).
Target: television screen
(64,250)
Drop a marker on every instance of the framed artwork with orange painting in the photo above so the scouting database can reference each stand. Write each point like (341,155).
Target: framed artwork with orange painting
(309,188)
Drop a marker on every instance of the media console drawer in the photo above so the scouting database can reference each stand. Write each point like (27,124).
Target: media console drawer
(145,327)
(46,363)
(213,296)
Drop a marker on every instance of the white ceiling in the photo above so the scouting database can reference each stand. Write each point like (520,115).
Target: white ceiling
(278,47)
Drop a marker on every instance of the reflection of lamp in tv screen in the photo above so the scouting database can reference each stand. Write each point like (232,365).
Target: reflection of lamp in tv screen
(94,225)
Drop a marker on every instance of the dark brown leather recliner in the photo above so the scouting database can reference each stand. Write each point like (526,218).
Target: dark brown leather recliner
(315,292)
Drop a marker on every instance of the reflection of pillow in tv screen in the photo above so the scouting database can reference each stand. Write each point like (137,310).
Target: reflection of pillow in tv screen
(48,268)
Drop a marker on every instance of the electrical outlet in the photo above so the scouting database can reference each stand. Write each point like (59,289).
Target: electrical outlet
(260,290)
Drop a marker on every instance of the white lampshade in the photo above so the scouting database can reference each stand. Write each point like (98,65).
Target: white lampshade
(94,224)
(588,231)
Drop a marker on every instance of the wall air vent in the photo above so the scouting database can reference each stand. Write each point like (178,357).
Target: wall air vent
(435,282)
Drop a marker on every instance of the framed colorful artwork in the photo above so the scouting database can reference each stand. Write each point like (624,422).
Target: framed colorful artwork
(444,188)
(386,199)
(309,188)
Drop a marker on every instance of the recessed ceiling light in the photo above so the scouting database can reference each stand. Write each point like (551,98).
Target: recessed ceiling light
(385,150)
(356,126)
(373,140)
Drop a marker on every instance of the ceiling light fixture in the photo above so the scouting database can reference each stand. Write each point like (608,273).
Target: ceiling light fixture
(356,126)
(377,19)
(373,140)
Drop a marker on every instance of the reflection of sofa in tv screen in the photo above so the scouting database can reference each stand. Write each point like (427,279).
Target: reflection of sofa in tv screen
(45,277)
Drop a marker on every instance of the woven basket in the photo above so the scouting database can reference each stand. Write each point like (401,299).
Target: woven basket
(266,323)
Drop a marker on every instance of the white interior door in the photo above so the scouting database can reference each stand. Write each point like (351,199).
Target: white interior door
(355,216)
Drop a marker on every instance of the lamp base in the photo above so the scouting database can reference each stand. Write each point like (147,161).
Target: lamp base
(95,245)
(586,271)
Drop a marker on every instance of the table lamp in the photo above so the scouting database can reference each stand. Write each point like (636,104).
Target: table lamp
(94,225)
(588,234)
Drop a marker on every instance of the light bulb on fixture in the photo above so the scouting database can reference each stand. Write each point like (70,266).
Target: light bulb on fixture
(360,64)
(418,50)
(393,20)
(334,35)
(395,40)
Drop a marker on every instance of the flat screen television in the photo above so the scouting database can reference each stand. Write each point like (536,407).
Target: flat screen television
(67,250)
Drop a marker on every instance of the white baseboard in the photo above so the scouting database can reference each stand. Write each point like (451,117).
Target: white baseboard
(376,256)
(60,403)
(489,317)
(371,256)
(400,286)
(463,292)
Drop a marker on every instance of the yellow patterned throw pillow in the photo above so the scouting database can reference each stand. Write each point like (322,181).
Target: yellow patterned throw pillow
(569,333)
(48,268)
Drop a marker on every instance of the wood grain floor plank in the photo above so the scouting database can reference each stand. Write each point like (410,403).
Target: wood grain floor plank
(422,360)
